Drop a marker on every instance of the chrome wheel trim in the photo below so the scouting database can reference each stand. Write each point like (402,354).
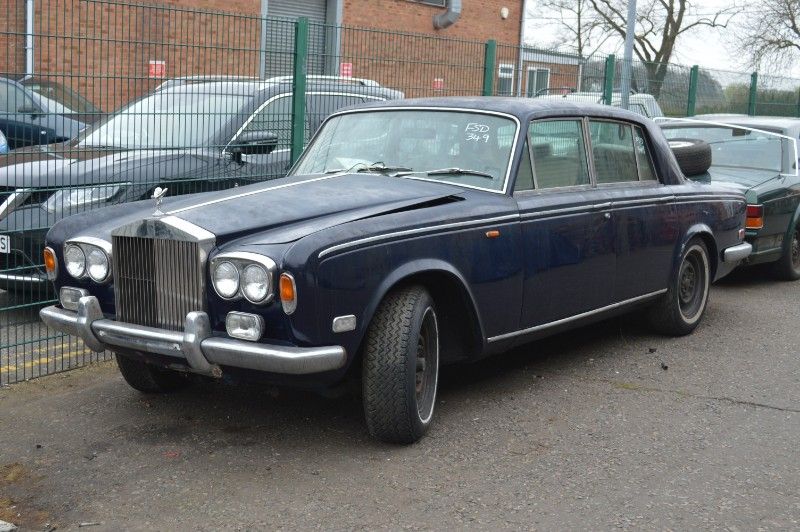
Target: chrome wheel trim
(693,284)
(426,375)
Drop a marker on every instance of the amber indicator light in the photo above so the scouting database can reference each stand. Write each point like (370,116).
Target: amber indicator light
(494,233)
(49,260)
(286,288)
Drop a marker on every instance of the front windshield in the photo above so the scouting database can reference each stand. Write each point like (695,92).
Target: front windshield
(166,120)
(69,100)
(461,147)
(736,147)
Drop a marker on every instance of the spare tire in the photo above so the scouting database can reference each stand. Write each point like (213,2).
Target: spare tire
(693,155)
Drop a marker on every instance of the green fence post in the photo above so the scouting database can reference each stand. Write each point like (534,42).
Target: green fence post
(608,80)
(299,87)
(797,108)
(691,103)
(489,60)
(751,105)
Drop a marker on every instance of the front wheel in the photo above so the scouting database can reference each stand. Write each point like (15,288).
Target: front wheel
(679,311)
(401,366)
(788,266)
(148,378)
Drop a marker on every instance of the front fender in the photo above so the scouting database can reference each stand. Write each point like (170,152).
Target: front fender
(349,292)
(421,267)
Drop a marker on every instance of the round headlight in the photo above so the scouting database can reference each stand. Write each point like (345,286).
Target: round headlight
(97,264)
(75,260)
(255,283)
(226,279)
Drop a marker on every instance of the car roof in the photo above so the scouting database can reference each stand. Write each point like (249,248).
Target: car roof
(522,108)
(783,122)
(265,89)
(777,124)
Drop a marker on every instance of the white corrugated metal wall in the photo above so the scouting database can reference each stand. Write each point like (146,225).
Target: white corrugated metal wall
(280,36)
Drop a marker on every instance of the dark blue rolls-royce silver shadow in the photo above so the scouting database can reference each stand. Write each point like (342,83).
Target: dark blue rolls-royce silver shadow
(410,234)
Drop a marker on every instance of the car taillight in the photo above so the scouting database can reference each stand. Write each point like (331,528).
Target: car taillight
(755,217)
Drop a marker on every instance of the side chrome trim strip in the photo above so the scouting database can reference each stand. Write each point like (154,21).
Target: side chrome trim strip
(574,318)
(408,232)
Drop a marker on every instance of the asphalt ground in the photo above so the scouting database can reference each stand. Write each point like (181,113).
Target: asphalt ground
(606,427)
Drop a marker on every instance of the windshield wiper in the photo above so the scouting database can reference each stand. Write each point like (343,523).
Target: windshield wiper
(382,168)
(459,171)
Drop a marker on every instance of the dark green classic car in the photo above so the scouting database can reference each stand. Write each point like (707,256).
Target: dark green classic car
(757,155)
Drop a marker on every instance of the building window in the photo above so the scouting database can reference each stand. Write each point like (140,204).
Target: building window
(538,80)
(505,79)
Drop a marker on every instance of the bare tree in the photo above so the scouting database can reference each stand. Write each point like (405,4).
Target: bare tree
(659,24)
(772,37)
(577,23)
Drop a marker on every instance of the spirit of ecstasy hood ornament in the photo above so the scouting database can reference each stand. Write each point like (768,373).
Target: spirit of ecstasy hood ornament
(158,195)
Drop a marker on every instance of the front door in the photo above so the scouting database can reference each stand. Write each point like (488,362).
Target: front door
(567,229)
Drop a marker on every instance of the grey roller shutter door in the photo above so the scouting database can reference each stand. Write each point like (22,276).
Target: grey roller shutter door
(280,35)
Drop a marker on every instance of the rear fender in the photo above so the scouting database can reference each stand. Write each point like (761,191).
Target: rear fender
(704,232)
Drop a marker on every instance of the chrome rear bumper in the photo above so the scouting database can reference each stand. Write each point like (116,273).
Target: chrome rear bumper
(196,347)
(737,253)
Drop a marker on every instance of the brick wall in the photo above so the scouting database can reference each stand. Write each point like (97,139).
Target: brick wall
(424,61)
(480,20)
(12,38)
(103,50)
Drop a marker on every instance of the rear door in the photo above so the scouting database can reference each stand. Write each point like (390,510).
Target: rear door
(642,209)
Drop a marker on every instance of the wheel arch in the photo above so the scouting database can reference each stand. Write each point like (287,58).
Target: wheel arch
(706,235)
(455,304)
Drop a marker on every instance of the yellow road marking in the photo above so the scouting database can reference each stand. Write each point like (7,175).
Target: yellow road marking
(69,355)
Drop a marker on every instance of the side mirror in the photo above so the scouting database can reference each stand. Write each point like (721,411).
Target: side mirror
(254,143)
(27,110)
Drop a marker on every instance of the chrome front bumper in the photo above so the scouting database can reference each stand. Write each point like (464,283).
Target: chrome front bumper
(737,253)
(195,346)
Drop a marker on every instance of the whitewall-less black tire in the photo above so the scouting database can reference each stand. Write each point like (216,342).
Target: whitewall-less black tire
(679,311)
(400,371)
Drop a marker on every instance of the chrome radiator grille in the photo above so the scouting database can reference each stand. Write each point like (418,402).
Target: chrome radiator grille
(157,281)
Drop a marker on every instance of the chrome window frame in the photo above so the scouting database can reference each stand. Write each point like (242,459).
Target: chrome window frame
(638,179)
(589,167)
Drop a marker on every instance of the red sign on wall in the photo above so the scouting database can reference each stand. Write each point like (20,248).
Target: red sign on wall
(157,69)
(346,70)
(438,84)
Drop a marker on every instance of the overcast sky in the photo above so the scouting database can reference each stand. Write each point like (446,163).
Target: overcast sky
(707,47)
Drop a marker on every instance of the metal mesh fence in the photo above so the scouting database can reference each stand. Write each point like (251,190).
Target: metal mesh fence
(102,101)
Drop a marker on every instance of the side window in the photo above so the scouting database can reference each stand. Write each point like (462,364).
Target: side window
(646,169)
(525,173)
(559,153)
(12,98)
(612,152)
(276,117)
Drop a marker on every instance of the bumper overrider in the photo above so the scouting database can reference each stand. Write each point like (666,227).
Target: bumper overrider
(737,253)
(194,346)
